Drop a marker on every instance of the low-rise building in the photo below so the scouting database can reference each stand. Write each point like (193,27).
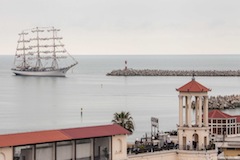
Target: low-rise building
(85,143)
(225,130)
(221,123)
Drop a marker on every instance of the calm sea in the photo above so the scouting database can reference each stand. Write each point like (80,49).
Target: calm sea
(39,103)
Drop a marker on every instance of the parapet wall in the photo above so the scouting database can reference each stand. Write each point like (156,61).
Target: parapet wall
(176,155)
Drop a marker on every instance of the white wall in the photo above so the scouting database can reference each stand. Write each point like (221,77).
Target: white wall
(162,155)
(6,153)
(197,155)
(119,147)
(176,155)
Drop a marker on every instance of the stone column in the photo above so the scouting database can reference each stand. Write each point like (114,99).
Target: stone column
(212,127)
(200,112)
(189,111)
(186,110)
(201,142)
(180,110)
(54,150)
(180,139)
(205,115)
(74,149)
(34,152)
(190,140)
(196,110)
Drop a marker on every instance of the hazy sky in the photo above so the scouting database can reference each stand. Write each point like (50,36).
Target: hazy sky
(128,26)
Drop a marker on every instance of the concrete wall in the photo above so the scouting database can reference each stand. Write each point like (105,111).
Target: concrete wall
(234,152)
(175,155)
(188,132)
(6,153)
(196,155)
(119,147)
(163,155)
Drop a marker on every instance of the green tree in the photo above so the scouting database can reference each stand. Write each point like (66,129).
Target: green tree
(124,119)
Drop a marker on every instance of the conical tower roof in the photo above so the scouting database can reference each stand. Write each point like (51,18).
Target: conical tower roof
(193,86)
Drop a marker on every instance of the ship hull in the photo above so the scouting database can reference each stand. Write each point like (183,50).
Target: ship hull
(51,73)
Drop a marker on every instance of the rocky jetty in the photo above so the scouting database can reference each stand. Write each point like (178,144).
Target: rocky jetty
(155,72)
(222,102)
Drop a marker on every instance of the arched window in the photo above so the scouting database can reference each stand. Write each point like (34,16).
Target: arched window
(2,156)
(119,146)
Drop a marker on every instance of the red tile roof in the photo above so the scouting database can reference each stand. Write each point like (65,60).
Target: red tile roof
(238,118)
(193,86)
(31,138)
(60,135)
(96,131)
(219,114)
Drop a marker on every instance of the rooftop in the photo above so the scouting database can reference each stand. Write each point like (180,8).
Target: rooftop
(27,138)
(193,86)
(219,114)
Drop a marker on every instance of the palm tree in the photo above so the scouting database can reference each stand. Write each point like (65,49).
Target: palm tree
(124,119)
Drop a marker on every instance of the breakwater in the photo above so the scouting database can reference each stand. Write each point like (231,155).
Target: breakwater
(222,102)
(155,72)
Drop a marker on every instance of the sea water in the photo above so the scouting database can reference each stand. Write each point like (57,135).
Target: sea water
(86,96)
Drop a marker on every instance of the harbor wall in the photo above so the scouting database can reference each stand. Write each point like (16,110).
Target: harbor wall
(155,72)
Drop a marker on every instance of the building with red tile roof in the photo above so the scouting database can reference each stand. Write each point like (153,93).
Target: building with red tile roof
(96,142)
(221,123)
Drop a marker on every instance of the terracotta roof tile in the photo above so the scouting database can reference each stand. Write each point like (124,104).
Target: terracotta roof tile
(31,138)
(27,138)
(218,114)
(193,86)
(238,118)
(97,131)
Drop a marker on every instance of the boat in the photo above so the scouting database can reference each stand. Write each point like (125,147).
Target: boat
(40,52)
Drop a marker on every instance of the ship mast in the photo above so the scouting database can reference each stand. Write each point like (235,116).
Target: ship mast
(54,62)
(24,64)
(38,62)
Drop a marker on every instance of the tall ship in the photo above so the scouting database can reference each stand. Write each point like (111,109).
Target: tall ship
(40,53)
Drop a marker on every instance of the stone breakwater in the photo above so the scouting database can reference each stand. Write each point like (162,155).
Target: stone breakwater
(155,72)
(222,102)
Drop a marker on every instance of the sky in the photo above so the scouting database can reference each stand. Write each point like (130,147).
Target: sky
(141,27)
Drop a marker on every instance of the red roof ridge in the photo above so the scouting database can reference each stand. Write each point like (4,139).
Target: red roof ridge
(218,114)
(193,86)
(26,138)
(17,133)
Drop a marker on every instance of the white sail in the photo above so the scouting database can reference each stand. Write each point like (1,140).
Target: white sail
(40,53)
